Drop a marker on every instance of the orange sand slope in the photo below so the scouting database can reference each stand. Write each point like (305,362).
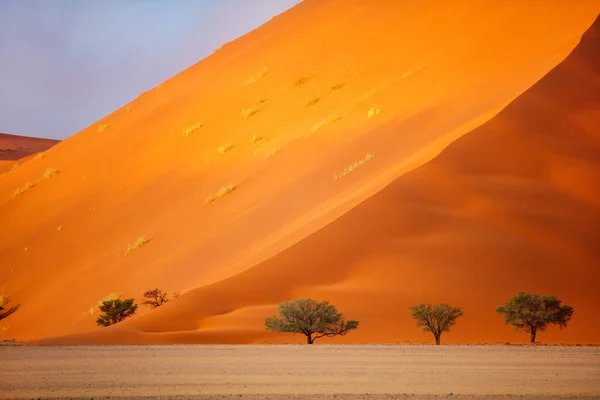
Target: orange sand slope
(13,147)
(291,106)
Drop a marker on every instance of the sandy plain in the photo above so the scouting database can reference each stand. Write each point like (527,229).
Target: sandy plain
(300,371)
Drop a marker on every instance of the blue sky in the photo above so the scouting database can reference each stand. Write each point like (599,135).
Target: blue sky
(60,59)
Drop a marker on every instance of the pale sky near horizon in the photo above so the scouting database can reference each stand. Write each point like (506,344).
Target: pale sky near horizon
(59,60)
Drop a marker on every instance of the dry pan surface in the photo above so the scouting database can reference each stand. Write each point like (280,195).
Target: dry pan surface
(300,371)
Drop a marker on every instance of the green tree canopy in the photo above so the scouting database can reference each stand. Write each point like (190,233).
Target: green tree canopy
(311,318)
(532,313)
(116,311)
(435,318)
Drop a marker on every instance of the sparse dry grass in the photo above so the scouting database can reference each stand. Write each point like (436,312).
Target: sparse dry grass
(312,102)
(327,122)
(108,297)
(140,242)
(39,155)
(373,112)
(3,300)
(353,166)
(257,139)
(185,132)
(300,81)
(272,153)
(103,127)
(23,189)
(59,228)
(225,148)
(337,86)
(49,173)
(248,112)
(256,77)
(224,191)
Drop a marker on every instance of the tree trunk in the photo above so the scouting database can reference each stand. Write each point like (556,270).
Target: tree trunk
(437,340)
(533,332)
(309,339)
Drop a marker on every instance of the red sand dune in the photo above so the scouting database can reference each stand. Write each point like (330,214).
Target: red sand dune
(13,147)
(511,206)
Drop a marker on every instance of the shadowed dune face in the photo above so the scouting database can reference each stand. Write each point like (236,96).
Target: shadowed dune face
(13,147)
(498,211)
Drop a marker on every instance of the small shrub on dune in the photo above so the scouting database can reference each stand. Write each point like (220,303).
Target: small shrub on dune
(300,81)
(224,191)
(102,127)
(140,242)
(116,311)
(272,153)
(23,189)
(225,148)
(256,77)
(110,296)
(337,86)
(49,173)
(155,298)
(354,165)
(373,112)
(257,139)
(185,132)
(248,112)
(327,122)
(312,102)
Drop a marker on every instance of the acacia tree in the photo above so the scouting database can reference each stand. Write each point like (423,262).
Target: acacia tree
(116,311)
(435,318)
(155,298)
(532,313)
(311,318)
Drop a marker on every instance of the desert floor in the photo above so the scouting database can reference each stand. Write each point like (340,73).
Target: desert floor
(300,371)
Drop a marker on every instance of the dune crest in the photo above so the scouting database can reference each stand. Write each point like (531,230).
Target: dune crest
(275,115)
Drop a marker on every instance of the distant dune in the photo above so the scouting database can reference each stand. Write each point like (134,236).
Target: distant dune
(378,156)
(13,147)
